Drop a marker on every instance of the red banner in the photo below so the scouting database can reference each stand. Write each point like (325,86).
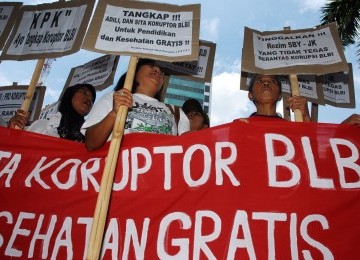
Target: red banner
(254,190)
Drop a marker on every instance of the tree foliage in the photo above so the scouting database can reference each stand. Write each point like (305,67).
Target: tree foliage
(346,13)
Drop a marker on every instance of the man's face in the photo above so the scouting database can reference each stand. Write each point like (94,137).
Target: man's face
(265,90)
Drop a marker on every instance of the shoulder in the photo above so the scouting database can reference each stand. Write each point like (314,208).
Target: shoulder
(103,103)
(46,126)
(107,97)
(184,123)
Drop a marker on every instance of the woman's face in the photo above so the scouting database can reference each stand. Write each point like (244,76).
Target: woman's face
(265,90)
(150,79)
(196,120)
(82,101)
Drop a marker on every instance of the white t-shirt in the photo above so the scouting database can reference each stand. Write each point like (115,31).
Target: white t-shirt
(146,115)
(45,126)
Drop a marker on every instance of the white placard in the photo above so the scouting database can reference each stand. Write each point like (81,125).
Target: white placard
(127,30)
(282,50)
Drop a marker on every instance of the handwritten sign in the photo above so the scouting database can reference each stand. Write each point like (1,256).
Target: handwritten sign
(293,51)
(12,97)
(145,29)
(99,72)
(200,70)
(339,89)
(309,87)
(49,110)
(48,30)
(8,13)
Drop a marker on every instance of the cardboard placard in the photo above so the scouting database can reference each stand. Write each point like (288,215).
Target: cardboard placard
(293,51)
(200,70)
(49,110)
(339,89)
(99,72)
(11,98)
(145,30)
(48,30)
(8,13)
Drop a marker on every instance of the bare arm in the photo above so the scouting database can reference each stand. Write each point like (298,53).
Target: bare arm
(245,120)
(354,119)
(97,135)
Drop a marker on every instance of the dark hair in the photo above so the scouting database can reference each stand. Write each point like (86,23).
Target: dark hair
(71,121)
(252,82)
(193,105)
(140,63)
(65,101)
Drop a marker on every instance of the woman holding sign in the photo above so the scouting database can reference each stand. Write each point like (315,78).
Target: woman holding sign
(146,112)
(75,104)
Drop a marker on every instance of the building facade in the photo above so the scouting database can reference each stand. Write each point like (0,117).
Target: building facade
(179,89)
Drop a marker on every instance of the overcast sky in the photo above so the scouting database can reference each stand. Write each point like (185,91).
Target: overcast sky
(222,22)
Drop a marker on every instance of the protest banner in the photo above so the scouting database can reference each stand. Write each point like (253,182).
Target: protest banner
(11,98)
(8,13)
(99,72)
(48,30)
(145,30)
(293,51)
(254,190)
(200,70)
(339,89)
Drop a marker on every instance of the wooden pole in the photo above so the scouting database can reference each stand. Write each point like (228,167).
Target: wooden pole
(294,83)
(31,89)
(314,112)
(103,199)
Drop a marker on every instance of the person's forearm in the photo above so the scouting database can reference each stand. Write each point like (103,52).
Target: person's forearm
(97,135)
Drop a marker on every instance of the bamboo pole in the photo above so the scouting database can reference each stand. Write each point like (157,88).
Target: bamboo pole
(31,89)
(294,83)
(103,199)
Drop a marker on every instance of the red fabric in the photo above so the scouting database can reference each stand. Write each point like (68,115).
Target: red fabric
(221,204)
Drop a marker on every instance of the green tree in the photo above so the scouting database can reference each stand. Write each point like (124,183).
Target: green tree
(346,13)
